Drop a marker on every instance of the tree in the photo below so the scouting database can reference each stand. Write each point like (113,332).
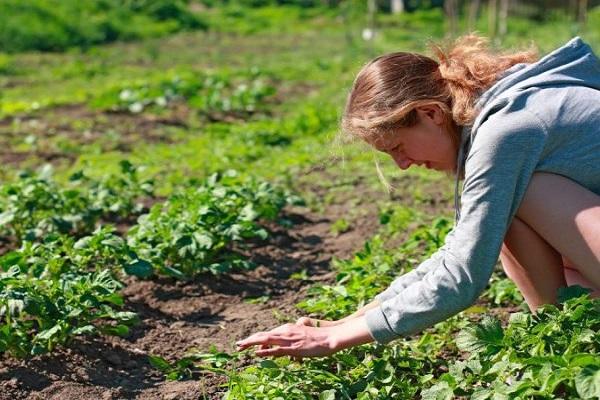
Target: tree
(397,6)
(503,18)
(451,11)
(474,7)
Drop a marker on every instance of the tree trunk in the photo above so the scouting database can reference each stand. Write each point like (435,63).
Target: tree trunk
(492,17)
(369,31)
(582,11)
(473,13)
(503,18)
(397,6)
(450,8)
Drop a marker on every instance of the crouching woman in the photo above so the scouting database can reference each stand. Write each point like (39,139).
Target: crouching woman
(524,137)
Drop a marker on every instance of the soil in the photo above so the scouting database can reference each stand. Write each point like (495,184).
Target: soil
(80,126)
(177,316)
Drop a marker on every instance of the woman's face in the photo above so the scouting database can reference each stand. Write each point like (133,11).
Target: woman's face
(426,143)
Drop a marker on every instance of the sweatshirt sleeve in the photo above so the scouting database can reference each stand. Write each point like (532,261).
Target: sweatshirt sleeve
(404,281)
(498,169)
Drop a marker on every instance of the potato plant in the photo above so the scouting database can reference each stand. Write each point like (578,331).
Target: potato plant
(36,205)
(56,289)
(196,230)
(211,94)
(552,354)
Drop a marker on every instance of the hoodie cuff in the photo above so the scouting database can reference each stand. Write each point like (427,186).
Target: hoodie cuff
(379,328)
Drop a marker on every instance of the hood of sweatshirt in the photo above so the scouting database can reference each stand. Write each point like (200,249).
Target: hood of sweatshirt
(572,64)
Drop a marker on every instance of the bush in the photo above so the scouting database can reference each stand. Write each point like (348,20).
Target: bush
(54,25)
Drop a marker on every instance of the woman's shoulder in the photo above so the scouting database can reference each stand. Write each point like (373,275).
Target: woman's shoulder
(517,115)
(546,111)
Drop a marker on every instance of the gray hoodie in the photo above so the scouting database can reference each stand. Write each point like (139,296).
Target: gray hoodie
(544,117)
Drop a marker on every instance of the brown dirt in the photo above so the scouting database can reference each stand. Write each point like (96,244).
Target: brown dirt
(176,316)
(63,132)
(79,126)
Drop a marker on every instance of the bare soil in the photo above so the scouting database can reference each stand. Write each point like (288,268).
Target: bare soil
(60,133)
(176,316)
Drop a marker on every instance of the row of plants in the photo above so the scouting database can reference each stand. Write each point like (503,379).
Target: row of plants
(203,227)
(64,281)
(212,94)
(54,290)
(548,355)
(35,205)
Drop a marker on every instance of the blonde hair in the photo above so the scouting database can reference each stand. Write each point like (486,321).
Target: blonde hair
(387,90)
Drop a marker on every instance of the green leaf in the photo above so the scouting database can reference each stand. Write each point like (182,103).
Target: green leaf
(203,240)
(261,233)
(48,333)
(571,292)
(341,290)
(84,330)
(118,330)
(439,391)
(587,382)
(486,335)
(139,268)
(327,395)
(269,364)
(159,363)
(172,272)
(6,218)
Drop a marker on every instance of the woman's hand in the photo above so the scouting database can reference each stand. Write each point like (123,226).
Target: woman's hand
(291,339)
(300,340)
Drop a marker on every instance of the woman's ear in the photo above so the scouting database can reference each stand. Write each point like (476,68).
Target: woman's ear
(432,112)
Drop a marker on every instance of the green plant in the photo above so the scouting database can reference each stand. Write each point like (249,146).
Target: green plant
(195,229)
(36,205)
(212,94)
(52,25)
(503,291)
(553,353)
(41,308)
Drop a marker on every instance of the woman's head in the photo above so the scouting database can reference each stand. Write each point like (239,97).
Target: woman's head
(407,98)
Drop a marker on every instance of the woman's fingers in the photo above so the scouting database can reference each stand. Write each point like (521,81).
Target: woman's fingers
(264,338)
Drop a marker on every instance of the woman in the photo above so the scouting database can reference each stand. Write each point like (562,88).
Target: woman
(524,135)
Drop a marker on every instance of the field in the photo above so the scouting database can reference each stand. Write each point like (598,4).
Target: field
(165,196)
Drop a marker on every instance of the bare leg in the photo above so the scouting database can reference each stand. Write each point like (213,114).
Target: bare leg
(532,264)
(557,218)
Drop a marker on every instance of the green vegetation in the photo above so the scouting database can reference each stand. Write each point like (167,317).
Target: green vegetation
(54,25)
(214,95)
(58,289)
(35,205)
(193,231)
